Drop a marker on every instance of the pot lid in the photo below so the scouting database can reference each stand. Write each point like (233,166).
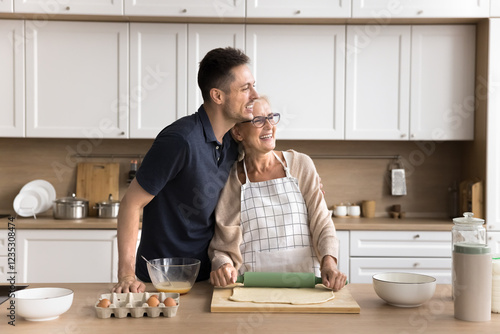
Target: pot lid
(110,201)
(71,199)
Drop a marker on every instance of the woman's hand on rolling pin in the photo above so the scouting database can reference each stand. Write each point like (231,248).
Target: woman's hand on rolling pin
(225,275)
(332,277)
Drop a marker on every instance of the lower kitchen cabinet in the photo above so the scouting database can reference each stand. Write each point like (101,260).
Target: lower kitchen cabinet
(4,255)
(343,260)
(66,256)
(494,242)
(424,252)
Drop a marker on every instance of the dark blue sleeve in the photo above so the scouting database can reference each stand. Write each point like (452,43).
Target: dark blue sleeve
(165,159)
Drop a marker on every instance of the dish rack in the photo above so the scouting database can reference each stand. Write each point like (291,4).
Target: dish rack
(135,304)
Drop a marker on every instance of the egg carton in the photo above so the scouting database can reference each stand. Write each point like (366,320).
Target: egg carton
(135,304)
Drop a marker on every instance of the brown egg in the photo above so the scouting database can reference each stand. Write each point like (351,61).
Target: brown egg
(153,301)
(169,301)
(104,303)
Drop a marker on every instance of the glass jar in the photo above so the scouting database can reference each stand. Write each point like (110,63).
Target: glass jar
(468,230)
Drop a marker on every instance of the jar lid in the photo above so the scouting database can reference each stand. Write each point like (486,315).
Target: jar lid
(468,218)
(469,248)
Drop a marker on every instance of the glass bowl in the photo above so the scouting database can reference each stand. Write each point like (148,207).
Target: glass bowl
(175,274)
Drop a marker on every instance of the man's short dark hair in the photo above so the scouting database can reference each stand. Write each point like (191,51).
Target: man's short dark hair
(215,69)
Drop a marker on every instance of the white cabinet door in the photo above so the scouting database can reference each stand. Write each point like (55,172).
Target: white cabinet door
(7,254)
(158,75)
(494,242)
(12,78)
(377,82)
(363,268)
(186,8)
(77,80)
(301,69)
(442,82)
(6,6)
(203,38)
(400,243)
(387,9)
(343,260)
(65,256)
(495,8)
(96,7)
(298,8)
(493,135)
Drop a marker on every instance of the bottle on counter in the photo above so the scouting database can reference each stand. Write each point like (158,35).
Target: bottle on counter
(471,269)
(495,286)
(132,171)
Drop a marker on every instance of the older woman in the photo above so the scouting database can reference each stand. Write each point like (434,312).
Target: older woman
(281,222)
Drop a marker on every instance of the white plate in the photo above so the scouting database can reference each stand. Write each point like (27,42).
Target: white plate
(27,203)
(46,191)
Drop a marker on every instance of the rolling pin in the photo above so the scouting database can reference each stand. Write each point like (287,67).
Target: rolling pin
(279,280)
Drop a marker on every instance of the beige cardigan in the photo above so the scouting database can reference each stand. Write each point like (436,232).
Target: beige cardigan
(225,245)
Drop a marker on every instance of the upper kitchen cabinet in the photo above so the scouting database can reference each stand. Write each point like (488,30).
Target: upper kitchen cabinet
(377,82)
(387,9)
(77,80)
(495,8)
(203,38)
(6,6)
(410,82)
(298,9)
(301,69)
(158,74)
(94,7)
(12,78)
(442,82)
(493,135)
(186,8)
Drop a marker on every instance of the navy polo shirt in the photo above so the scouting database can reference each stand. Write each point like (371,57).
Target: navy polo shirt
(185,169)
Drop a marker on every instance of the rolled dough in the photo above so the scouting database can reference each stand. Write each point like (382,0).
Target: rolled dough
(300,296)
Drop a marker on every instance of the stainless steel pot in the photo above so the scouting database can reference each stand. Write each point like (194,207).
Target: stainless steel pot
(108,209)
(71,208)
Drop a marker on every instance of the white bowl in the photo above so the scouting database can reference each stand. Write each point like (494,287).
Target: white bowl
(404,289)
(41,304)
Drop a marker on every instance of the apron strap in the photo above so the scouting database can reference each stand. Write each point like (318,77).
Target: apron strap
(287,171)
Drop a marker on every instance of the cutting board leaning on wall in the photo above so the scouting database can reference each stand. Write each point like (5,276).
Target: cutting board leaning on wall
(95,181)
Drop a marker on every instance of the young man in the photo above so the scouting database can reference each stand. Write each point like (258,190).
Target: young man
(179,182)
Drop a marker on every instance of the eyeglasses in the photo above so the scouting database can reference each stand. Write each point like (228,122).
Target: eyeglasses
(259,121)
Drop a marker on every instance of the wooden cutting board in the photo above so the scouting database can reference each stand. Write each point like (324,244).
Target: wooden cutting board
(95,181)
(342,303)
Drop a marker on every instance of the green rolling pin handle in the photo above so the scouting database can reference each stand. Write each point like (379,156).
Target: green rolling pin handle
(279,280)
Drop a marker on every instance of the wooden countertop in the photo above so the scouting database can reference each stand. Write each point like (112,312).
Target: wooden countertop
(407,224)
(194,316)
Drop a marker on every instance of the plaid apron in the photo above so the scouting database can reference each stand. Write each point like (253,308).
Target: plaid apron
(275,227)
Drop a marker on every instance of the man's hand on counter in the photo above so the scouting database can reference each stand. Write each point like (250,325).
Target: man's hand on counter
(129,284)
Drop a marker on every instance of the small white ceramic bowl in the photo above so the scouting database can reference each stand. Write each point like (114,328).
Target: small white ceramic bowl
(41,304)
(404,289)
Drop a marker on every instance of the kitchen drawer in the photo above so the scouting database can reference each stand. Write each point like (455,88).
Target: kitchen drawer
(400,243)
(363,268)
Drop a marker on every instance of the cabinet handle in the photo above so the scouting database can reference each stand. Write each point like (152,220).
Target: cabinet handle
(416,236)
(297,12)
(403,135)
(416,264)
(122,133)
(67,8)
(184,10)
(420,12)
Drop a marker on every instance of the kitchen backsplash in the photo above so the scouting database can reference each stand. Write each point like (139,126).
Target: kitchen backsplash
(430,167)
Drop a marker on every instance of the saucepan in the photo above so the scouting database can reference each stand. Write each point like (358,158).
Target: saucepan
(108,209)
(71,208)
